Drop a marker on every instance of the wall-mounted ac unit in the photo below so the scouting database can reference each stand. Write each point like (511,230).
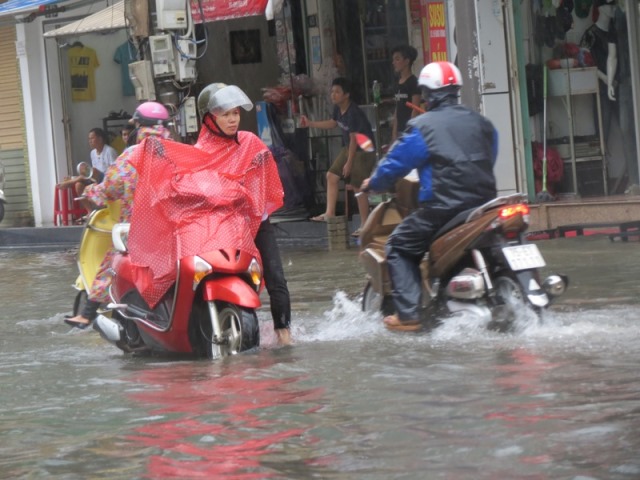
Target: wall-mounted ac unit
(142,79)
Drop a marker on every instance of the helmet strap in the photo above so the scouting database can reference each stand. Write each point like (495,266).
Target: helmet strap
(215,129)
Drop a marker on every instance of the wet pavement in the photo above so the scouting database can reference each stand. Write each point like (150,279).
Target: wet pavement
(558,399)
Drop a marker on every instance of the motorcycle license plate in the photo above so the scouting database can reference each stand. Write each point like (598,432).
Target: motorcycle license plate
(523,257)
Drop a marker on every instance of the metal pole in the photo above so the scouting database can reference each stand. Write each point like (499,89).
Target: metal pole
(524,130)
(66,121)
(633,25)
(468,58)
(364,57)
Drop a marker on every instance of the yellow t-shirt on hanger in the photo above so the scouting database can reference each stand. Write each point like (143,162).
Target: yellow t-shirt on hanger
(83,62)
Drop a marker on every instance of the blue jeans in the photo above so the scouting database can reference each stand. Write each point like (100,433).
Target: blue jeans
(404,250)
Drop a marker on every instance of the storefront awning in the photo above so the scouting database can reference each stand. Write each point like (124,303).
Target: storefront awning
(15,7)
(111,18)
(215,10)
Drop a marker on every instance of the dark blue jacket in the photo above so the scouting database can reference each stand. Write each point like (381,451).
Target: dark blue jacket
(454,150)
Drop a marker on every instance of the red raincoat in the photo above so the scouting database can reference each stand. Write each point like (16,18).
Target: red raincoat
(249,160)
(182,207)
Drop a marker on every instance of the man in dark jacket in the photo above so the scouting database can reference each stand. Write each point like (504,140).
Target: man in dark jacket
(454,150)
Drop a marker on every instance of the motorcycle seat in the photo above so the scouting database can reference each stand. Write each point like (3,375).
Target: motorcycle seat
(459,219)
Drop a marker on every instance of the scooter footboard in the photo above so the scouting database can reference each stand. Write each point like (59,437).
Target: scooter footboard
(230,289)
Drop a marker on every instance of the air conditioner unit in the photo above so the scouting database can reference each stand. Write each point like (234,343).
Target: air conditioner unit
(142,79)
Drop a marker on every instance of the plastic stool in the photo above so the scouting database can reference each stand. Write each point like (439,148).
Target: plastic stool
(65,209)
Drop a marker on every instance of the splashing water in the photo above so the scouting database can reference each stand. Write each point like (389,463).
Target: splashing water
(345,321)
(575,330)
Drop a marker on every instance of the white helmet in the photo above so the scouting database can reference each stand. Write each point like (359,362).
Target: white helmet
(226,98)
(437,75)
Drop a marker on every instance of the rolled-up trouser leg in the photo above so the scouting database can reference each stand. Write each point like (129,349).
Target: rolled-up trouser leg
(90,310)
(404,250)
(274,276)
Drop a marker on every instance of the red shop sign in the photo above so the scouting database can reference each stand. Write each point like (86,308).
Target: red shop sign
(434,30)
(224,9)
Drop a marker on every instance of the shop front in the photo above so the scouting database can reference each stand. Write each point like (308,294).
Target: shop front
(74,59)
(69,85)
(582,75)
(560,81)
(505,53)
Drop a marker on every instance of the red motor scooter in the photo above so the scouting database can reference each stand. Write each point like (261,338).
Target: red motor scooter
(187,276)
(210,311)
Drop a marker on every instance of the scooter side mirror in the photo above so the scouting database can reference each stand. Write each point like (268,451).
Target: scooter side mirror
(119,236)
(84,170)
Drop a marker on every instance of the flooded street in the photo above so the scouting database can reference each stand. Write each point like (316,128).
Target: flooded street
(557,400)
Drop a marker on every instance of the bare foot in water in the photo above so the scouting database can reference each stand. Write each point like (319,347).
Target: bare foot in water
(284,336)
(78,321)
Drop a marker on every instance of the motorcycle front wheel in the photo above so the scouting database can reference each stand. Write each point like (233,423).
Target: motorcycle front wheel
(373,302)
(240,330)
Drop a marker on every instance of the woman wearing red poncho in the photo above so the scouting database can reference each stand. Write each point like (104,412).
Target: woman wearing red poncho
(243,155)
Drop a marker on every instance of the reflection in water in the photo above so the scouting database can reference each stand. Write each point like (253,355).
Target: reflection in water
(557,399)
(521,375)
(218,423)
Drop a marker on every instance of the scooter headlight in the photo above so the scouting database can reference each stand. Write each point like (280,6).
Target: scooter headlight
(255,272)
(200,270)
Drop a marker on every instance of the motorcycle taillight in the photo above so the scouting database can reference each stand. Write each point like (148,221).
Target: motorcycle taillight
(511,211)
(512,218)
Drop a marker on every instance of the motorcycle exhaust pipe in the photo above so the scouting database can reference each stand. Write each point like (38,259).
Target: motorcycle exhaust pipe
(109,329)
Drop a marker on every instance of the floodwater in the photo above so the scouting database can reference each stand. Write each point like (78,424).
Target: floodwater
(557,400)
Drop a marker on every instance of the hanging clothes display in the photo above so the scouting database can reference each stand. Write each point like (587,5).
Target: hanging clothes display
(83,62)
(123,56)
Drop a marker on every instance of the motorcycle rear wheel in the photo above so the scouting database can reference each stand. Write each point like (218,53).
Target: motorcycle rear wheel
(373,302)
(240,330)
(511,303)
